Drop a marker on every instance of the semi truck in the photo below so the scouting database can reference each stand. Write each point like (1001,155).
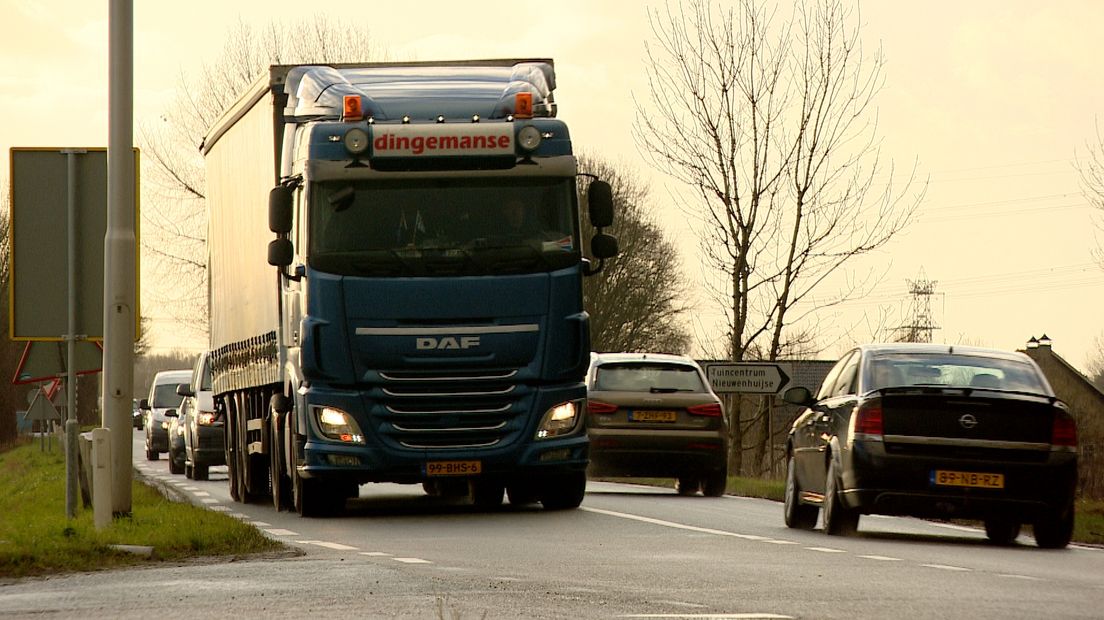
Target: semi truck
(395,284)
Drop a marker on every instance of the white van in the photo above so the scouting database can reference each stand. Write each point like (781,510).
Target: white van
(162,397)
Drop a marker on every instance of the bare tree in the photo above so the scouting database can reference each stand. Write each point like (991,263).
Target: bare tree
(175,220)
(1091,167)
(639,301)
(771,125)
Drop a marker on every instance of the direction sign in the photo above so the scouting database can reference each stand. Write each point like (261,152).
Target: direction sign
(749,377)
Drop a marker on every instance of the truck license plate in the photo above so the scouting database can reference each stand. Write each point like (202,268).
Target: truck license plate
(943,477)
(453,468)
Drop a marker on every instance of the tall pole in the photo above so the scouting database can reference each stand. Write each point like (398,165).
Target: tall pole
(71,447)
(119,253)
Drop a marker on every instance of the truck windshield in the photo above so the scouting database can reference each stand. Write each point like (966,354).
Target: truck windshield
(443,226)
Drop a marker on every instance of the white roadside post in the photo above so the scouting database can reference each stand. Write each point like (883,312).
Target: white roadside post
(119,251)
(101,478)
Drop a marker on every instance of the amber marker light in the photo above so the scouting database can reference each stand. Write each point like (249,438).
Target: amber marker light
(523,105)
(352,110)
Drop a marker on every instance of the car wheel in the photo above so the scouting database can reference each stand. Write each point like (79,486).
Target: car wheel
(839,520)
(200,472)
(687,486)
(1002,531)
(715,483)
(797,515)
(151,455)
(189,471)
(175,467)
(1054,530)
(564,492)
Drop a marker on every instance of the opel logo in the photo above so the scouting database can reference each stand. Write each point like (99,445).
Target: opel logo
(968,421)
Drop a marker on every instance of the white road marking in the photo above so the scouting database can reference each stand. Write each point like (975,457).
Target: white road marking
(881,558)
(334,546)
(710,616)
(825,550)
(209,500)
(279,532)
(224,509)
(672,524)
(946,567)
(260,524)
(376,554)
(412,561)
(773,541)
(1024,577)
(189,487)
(198,493)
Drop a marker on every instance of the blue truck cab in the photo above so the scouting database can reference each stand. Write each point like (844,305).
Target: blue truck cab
(424,321)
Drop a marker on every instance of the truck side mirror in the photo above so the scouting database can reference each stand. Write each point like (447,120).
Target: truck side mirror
(603,246)
(600,204)
(280,252)
(279,210)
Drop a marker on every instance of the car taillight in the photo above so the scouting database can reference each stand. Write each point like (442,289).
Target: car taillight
(597,406)
(712,410)
(1064,431)
(868,420)
(206,418)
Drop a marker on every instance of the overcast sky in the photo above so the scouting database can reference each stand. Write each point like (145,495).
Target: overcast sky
(994,100)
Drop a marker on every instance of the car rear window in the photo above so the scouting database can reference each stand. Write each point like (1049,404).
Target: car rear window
(653,377)
(164,396)
(894,370)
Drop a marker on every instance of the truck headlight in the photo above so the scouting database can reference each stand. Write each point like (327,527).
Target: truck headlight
(560,420)
(337,424)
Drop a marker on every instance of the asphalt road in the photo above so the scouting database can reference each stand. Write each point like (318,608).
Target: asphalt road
(628,552)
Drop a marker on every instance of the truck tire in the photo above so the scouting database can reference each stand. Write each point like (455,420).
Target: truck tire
(487,493)
(564,492)
(281,483)
(315,498)
(231,465)
(521,493)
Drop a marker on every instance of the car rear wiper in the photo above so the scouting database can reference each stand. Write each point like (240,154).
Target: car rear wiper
(668,390)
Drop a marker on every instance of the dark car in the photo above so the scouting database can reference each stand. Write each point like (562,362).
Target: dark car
(655,416)
(934,431)
(203,431)
(176,441)
(136,414)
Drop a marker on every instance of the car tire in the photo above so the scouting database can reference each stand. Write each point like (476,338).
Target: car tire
(189,471)
(564,492)
(839,520)
(174,466)
(1055,530)
(200,472)
(797,515)
(687,486)
(715,483)
(151,455)
(1002,531)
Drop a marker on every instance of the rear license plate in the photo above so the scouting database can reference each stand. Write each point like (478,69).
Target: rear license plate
(453,468)
(653,416)
(941,477)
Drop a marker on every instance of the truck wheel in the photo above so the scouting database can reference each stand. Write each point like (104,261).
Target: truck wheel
(797,515)
(314,498)
(281,484)
(839,520)
(231,467)
(200,472)
(521,493)
(487,493)
(564,492)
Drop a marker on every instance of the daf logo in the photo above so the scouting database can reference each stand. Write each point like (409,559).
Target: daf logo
(427,343)
(968,421)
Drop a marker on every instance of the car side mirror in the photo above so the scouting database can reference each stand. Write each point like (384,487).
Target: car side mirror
(170,413)
(799,396)
(144,404)
(600,204)
(184,389)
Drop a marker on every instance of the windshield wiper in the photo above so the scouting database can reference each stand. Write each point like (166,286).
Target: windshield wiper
(668,390)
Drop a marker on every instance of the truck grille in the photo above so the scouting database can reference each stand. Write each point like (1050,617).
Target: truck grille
(443,411)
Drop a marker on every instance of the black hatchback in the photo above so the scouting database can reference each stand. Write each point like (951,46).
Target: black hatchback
(933,431)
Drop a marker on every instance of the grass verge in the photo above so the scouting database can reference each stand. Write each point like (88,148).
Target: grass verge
(36,538)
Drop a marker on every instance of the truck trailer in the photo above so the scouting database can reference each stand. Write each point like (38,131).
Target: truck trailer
(406,305)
